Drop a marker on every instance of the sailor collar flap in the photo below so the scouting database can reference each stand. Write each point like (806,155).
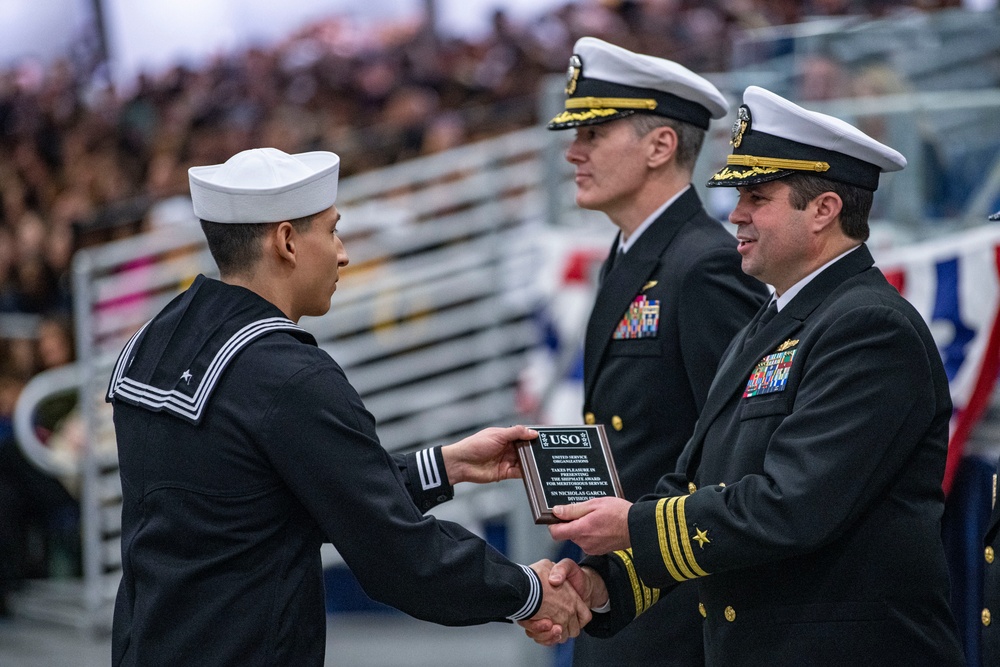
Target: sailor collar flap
(174,362)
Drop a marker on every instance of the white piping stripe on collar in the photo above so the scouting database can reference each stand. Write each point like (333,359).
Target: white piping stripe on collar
(192,406)
(222,357)
(125,355)
(536,591)
(428,468)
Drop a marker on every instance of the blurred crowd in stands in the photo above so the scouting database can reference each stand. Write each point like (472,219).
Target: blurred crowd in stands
(82,163)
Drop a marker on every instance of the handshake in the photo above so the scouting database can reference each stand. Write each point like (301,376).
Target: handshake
(598,526)
(569,592)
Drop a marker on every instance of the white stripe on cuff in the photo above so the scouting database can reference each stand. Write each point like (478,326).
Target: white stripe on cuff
(528,610)
(427,467)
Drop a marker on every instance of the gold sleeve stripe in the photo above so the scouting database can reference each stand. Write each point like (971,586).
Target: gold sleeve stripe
(675,547)
(686,539)
(643,590)
(644,596)
(610,102)
(777,163)
(626,559)
(661,533)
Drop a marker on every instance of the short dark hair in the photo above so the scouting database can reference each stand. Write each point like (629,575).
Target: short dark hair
(689,137)
(236,247)
(857,201)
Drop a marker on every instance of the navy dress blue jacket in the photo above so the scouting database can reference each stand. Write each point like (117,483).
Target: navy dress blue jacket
(990,647)
(807,504)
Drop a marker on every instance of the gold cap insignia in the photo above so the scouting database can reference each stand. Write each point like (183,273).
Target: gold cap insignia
(741,125)
(787,344)
(573,73)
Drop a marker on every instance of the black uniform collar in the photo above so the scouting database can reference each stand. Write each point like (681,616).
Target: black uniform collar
(175,361)
(619,287)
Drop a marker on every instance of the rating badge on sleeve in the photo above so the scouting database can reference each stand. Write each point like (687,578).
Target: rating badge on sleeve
(642,319)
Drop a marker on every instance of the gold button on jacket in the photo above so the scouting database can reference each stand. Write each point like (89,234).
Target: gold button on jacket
(730,614)
(589,418)
(989,554)
(987,617)
(616,423)
(702,611)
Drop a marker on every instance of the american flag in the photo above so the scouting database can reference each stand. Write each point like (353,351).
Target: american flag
(954,283)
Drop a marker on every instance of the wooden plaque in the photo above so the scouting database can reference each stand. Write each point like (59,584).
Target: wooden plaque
(566,464)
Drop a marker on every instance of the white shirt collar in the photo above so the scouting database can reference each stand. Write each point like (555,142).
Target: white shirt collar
(624,245)
(797,287)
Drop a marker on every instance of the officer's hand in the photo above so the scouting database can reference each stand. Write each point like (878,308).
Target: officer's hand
(598,526)
(587,583)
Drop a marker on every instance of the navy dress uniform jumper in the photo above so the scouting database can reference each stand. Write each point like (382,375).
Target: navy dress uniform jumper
(647,384)
(243,448)
(807,503)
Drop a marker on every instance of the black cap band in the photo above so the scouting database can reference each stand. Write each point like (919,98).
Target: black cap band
(843,168)
(667,104)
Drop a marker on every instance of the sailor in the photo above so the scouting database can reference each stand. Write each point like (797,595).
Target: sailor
(243,447)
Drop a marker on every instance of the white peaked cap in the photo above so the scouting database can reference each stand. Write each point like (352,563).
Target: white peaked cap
(773,138)
(605,82)
(265,185)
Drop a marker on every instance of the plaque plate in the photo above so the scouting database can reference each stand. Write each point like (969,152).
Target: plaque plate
(566,464)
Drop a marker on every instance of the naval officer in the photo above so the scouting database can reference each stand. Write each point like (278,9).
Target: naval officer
(671,294)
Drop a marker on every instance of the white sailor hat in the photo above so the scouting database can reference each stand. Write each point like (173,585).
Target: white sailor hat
(605,82)
(773,138)
(265,185)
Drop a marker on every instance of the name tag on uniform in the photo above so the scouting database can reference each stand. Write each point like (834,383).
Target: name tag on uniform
(770,374)
(642,319)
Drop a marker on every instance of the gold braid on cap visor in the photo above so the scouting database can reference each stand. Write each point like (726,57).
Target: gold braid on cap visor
(762,166)
(610,102)
(580,116)
(777,163)
(599,107)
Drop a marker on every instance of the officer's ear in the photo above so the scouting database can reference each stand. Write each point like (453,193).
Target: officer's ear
(662,146)
(824,211)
